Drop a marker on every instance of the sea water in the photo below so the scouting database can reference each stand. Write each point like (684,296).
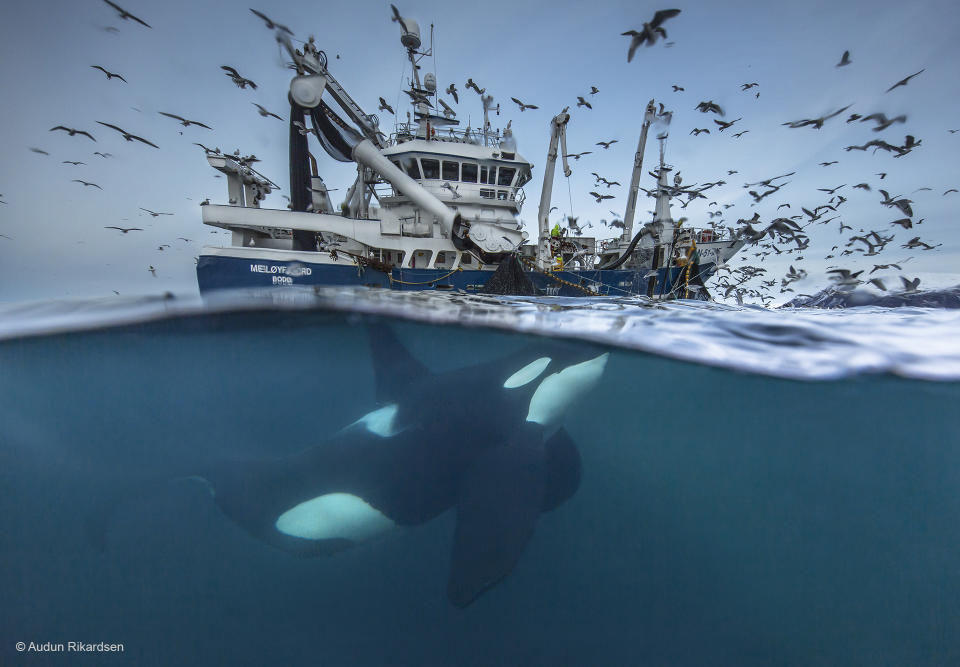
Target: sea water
(758,488)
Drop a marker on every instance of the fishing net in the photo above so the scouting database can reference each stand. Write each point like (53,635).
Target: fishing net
(510,278)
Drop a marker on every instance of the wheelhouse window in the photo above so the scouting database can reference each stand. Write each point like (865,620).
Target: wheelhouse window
(431,168)
(488,175)
(413,168)
(451,171)
(523,179)
(505,177)
(468,173)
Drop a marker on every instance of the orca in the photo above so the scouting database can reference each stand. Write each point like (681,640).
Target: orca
(486,441)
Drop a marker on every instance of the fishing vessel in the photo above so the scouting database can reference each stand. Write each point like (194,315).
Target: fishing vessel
(435,206)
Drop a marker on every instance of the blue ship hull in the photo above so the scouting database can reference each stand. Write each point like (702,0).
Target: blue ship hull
(215,272)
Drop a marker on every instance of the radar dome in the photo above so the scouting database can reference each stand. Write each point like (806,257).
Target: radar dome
(430,82)
(411,34)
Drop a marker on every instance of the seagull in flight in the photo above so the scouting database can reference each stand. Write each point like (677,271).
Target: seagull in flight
(215,151)
(882,121)
(237,79)
(583,103)
(704,107)
(472,84)
(523,106)
(844,59)
(816,122)
(127,135)
(270,24)
(125,229)
(910,285)
(606,144)
(73,162)
(263,112)
(103,155)
(153,213)
(124,14)
(899,202)
(724,125)
(184,121)
(39,150)
(385,107)
(397,18)
(903,82)
(85,183)
(452,90)
(71,131)
(650,31)
(110,75)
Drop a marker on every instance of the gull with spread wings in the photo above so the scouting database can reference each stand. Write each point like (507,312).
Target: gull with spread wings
(124,14)
(183,121)
(649,32)
(127,135)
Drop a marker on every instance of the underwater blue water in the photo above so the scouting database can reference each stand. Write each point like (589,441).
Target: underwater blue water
(758,487)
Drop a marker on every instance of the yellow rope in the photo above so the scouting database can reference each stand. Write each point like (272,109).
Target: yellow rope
(686,284)
(426,282)
(559,280)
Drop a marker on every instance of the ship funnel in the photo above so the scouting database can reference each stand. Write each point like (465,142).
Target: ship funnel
(411,33)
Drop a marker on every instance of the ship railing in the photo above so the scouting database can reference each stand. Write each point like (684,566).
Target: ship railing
(710,235)
(408,131)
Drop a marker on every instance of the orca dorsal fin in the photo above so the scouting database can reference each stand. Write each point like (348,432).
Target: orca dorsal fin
(394,367)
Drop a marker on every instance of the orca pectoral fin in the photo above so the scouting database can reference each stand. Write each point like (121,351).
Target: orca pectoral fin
(500,499)
(562,470)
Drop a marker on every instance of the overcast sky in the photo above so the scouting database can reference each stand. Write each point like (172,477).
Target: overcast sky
(544,53)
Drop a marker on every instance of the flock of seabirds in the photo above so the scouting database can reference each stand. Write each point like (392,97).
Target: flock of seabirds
(786,235)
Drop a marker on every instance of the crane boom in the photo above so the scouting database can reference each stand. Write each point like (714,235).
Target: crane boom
(630,213)
(558,135)
(314,75)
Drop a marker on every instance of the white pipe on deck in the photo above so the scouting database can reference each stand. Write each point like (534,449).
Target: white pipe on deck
(368,155)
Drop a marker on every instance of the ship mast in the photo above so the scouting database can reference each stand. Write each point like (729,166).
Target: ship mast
(662,214)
